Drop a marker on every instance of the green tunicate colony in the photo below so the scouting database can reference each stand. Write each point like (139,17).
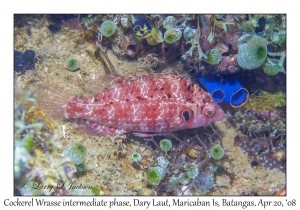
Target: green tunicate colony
(125,22)
(273,67)
(252,51)
(155,175)
(163,161)
(72,64)
(169,22)
(165,145)
(189,172)
(278,38)
(213,168)
(172,35)
(76,152)
(108,28)
(183,164)
(172,180)
(184,179)
(136,157)
(217,152)
(214,57)
(193,172)
(189,34)
(155,37)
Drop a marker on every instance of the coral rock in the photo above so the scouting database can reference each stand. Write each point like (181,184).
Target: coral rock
(130,47)
(268,152)
(192,153)
(228,64)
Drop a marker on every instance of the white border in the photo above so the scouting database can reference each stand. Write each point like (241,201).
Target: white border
(152,6)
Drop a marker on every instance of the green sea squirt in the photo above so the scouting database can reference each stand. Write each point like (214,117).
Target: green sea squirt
(217,152)
(72,64)
(189,33)
(172,35)
(165,145)
(136,157)
(162,161)
(252,51)
(108,28)
(169,22)
(273,66)
(155,175)
(76,152)
(214,57)
(193,172)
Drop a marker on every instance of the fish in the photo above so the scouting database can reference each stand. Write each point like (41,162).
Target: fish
(145,105)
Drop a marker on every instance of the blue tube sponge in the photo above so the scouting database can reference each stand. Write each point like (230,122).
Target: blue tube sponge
(229,90)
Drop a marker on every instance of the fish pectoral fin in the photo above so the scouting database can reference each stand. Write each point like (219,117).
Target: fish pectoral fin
(95,129)
(175,123)
(145,134)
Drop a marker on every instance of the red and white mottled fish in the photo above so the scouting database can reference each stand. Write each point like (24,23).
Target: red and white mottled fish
(145,105)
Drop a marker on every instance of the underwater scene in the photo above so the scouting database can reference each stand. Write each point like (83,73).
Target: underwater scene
(150,104)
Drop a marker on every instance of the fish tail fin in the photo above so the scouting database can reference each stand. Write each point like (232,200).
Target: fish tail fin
(53,100)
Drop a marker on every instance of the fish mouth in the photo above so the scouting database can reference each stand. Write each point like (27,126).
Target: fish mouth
(219,114)
(202,119)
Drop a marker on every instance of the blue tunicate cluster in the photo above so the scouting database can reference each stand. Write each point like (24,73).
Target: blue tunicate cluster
(140,25)
(229,91)
(24,61)
(204,181)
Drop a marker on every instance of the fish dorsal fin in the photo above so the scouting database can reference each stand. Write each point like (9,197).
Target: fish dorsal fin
(99,83)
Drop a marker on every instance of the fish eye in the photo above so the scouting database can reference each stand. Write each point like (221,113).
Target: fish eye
(187,115)
(210,112)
